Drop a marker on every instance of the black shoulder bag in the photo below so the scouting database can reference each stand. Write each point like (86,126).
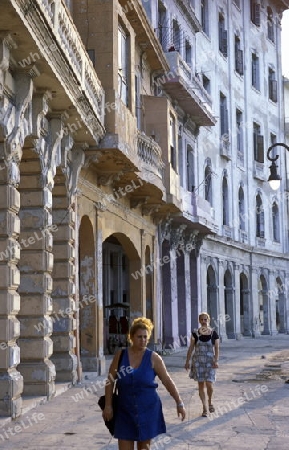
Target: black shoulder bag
(101,402)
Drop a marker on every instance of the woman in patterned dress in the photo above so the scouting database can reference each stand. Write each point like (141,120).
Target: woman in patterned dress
(139,415)
(204,346)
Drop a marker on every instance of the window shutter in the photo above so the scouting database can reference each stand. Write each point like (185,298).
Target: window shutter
(260,148)
(240,69)
(273,90)
(225,43)
(262,224)
(257,14)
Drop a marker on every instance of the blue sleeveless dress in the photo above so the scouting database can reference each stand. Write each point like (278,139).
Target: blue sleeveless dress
(139,412)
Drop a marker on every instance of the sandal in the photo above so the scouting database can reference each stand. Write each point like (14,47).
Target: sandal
(211,408)
(204,413)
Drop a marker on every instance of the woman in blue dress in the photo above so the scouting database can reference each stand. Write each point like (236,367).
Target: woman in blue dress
(139,415)
(204,346)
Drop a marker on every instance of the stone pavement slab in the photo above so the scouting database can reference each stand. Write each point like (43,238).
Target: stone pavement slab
(251,412)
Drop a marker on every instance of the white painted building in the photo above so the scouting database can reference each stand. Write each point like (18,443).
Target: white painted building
(242,270)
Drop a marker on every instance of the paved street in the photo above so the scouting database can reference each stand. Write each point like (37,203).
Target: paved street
(251,401)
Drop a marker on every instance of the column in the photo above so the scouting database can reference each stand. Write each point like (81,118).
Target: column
(36,264)
(101,367)
(11,381)
(221,318)
(237,318)
(255,303)
(272,325)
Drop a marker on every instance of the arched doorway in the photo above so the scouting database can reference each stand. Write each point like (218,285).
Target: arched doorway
(245,314)
(280,307)
(264,311)
(229,305)
(122,289)
(87,298)
(212,297)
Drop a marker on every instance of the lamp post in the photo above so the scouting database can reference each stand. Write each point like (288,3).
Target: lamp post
(274,179)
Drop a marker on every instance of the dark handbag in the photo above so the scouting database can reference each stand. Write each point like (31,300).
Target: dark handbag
(101,403)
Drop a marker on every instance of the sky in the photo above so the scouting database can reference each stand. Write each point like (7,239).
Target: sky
(285,43)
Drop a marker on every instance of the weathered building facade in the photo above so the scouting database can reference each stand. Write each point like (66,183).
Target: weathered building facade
(117,161)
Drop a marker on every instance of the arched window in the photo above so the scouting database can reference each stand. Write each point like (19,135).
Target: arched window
(260,221)
(275,222)
(241,209)
(225,197)
(208,184)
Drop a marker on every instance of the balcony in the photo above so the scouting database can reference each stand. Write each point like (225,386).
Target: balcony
(198,211)
(145,35)
(53,31)
(225,147)
(188,91)
(150,154)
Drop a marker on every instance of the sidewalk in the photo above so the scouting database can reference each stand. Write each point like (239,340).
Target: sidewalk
(251,400)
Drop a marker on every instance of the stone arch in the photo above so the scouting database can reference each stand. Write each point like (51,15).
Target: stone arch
(87,302)
(264,310)
(280,300)
(212,296)
(229,304)
(245,311)
(122,288)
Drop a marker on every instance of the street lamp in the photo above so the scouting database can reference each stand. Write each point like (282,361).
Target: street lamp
(274,179)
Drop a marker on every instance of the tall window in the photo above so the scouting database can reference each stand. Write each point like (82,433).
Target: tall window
(205,16)
(225,197)
(137,101)
(260,220)
(188,53)
(206,83)
(275,222)
(273,140)
(224,128)
(255,12)
(238,56)
(255,72)
(258,143)
(241,209)
(190,169)
(173,142)
(270,25)
(123,64)
(239,128)
(272,85)
(176,36)
(208,184)
(223,37)
(162,26)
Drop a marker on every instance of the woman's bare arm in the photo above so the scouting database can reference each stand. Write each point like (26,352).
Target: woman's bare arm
(189,352)
(162,373)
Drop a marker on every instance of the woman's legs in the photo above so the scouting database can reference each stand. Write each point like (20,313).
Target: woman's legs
(125,445)
(210,394)
(129,445)
(202,394)
(144,445)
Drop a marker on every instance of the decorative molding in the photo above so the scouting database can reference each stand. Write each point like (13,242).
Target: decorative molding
(108,178)
(150,209)
(136,201)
